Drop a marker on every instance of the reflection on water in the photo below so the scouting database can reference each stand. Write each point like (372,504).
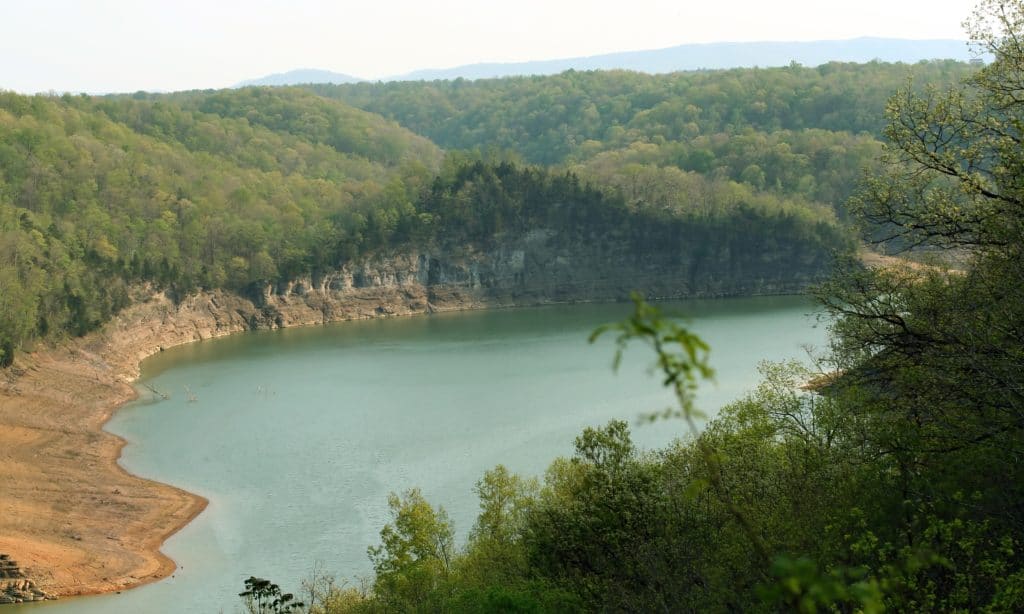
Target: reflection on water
(297,436)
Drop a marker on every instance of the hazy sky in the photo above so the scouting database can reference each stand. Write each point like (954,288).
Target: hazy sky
(128,45)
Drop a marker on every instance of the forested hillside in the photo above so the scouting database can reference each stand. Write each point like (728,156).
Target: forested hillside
(794,131)
(98,194)
(548,119)
(250,188)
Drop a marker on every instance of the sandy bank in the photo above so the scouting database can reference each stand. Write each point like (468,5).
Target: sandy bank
(77,522)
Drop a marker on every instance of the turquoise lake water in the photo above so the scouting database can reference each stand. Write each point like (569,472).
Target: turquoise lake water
(297,436)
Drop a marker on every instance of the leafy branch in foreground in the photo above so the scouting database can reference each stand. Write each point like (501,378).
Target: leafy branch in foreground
(682,358)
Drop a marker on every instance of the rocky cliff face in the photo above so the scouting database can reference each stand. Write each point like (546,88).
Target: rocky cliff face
(533,269)
(541,267)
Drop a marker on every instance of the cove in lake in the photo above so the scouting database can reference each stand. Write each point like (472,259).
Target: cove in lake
(297,436)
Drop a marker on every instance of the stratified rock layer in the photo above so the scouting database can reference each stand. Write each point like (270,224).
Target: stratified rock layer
(14,587)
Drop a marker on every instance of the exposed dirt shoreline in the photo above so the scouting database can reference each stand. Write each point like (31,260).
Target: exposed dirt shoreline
(76,521)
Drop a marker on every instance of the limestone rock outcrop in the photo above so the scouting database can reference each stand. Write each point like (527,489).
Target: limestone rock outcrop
(15,587)
(537,268)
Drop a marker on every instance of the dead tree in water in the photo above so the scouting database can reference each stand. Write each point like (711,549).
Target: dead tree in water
(157,392)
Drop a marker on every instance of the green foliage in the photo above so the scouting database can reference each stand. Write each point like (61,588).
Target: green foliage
(264,597)
(6,354)
(682,357)
(414,561)
(493,553)
(796,134)
(247,190)
(936,354)
(931,358)
(554,118)
(479,203)
(801,587)
(101,195)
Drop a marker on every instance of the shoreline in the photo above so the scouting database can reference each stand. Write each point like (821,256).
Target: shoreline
(76,520)
(62,468)
(167,565)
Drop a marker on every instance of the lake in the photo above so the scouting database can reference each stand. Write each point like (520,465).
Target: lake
(297,436)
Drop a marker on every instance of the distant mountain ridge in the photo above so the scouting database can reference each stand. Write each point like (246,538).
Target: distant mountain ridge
(301,76)
(681,57)
(718,56)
